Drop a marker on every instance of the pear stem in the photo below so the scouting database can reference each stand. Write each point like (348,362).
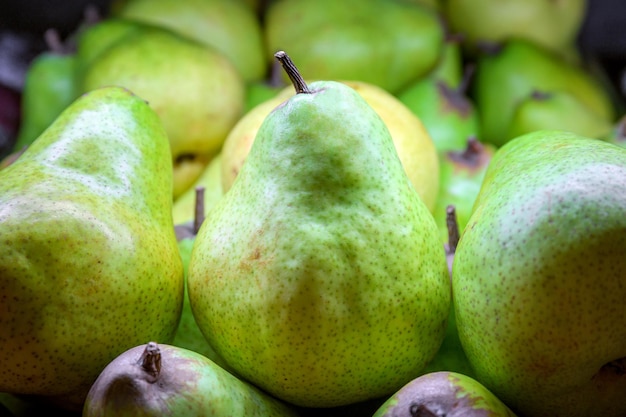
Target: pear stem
(453,229)
(292,72)
(150,360)
(199,210)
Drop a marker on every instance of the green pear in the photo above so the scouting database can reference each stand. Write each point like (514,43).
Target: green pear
(319,276)
(552,24)
(448,113)
(461,174)
(89,264)
(388,43)
(196,91)
(231,27)
(444,393)
(556,110)
(512,73)
(538,277)
(160,380)
(49,87)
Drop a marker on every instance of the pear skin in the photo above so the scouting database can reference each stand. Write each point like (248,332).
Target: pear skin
(538,277)
(319,276)
(89,264)
(154,380)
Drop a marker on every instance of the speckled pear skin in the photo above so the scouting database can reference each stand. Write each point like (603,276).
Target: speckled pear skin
(89,264)
(319,276)
(444,393)
(539,277)
(188,385)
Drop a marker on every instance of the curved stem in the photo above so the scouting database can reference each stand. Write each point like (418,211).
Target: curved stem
(150,360)
(292,72)
(199,210)
(453,229)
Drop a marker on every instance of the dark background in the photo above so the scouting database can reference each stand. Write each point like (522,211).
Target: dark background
(602,42)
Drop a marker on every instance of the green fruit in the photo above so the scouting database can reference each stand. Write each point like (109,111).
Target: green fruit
(319,276)
(461,175)
(88,259)
(552,24)
(230,27)
(444,394)
(382,42)
(538,277)
(556,110)
(49,87)
(448,114)
(195,90)
(511,74)
(163,380)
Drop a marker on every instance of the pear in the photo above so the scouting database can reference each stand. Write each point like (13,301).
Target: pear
(512,72)
(444,393)
(460,177)
(49,87)
(89,264)
(230,27)
(413,144)
(552,24)
(388,43)
(538,277)
(163,380)
(448,113)
(196,91)
(556,110)
(319,276)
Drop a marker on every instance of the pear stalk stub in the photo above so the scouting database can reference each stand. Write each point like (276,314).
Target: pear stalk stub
(293,73)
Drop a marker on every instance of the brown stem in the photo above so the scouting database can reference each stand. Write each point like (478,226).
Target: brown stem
(292,72)
(199,213)
(466,80)
(453,229)
(53,41)
(150,360)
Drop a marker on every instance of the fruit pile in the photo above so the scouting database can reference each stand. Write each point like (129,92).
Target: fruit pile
(315,208)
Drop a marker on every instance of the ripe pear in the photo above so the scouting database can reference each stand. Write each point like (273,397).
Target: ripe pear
(510,74)
(88,259)
(444,393)
(551,24)
(538,277)
(448,113)
(196,91)
(413,144)
(556,110)
(460,177)
(230,27)
(388,43)
(49,87)
(154,380)
(319,276)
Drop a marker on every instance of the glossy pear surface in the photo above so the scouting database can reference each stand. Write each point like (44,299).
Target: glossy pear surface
(538,276)
(319,275)
(88,259)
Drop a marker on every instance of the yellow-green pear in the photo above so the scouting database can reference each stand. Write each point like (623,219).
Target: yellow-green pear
(231,27)
(196,91)
(413,143)
(320,276)
(160,380)
(539,277)
(89,264)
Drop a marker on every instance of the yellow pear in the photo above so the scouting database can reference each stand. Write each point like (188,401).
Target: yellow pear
(413,144)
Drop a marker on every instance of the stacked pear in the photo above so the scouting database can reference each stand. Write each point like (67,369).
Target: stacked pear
(319,276)
(89,264)
(538,277)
